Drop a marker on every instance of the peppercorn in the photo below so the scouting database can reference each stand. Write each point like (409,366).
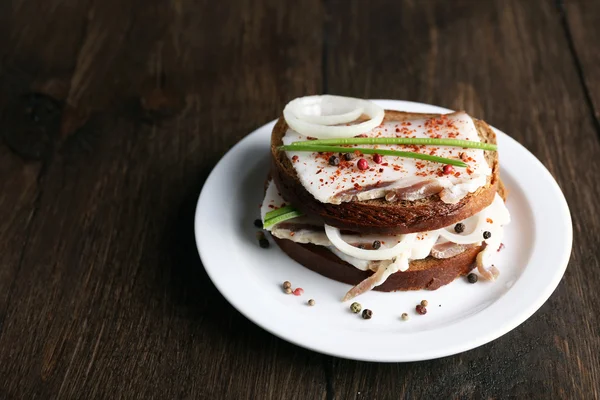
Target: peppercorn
(258,223)
(264,243)
(349,156)
(333,160)
(287,284)
(487,234)
(311,302)
(367,314)
(355,307)
(288,290)
(424,303)
(362,164)
(298,291)
(405,317)
(377,159)
(472,278)
(376,244)
(448,169)
(459,228)
(421,310)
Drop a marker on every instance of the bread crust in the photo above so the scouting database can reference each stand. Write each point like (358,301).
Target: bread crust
(429,273)
(379,216)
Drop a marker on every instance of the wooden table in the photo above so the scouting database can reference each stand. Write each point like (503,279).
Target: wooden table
(114,113)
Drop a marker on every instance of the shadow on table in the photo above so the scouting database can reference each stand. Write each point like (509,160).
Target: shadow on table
(193,293)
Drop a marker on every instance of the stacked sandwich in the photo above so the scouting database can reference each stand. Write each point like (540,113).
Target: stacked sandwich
(381,199)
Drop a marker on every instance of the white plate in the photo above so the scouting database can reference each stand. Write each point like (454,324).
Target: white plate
(460,316)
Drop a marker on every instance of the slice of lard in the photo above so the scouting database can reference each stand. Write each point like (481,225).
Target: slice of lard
(345,182)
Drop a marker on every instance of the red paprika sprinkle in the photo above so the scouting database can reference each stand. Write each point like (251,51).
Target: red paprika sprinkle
(377,158)
(448,169)
(298,291)
(362,164)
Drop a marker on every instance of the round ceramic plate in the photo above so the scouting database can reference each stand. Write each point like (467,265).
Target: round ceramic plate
(460,316)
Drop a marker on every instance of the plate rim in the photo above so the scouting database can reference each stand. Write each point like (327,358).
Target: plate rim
(516,320)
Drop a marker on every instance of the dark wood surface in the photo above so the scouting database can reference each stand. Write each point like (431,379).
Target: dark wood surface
(113,113)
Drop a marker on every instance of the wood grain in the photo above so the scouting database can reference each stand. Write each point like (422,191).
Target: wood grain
(507,62)
(582,25)
(110,300)
(114,112)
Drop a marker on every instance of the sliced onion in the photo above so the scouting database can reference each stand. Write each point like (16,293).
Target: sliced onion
(327,109)
(473,237)
(305,115)
(334,236)
(497,211)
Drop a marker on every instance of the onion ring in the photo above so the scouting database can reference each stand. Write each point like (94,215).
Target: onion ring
(473,237)
(313,123)
(334,236)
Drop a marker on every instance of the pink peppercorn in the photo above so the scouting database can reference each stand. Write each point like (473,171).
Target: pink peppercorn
(377,158)
(298,291)
(362,164)
(420,309)
(448,169)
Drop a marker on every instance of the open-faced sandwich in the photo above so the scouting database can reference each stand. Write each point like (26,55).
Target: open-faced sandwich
(381,199)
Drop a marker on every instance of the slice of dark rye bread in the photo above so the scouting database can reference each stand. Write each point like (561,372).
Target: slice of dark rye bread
(379,216)
(428,273)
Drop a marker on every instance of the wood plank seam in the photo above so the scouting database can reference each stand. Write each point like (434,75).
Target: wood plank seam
(577,61)
(325,46)
(326,360)
(329,389)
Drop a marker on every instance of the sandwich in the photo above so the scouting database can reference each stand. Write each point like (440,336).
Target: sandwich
(381,199)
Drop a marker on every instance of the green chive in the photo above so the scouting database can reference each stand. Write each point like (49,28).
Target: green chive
(405,154)
(281,218)
(278,212)
(404,141)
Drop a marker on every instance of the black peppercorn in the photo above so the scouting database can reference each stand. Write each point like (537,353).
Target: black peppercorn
(459,228)
(487,234)
(258,223)
(349,156)
(376,244)
(367,314)
(264,243)
(472,278)
(333,160)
